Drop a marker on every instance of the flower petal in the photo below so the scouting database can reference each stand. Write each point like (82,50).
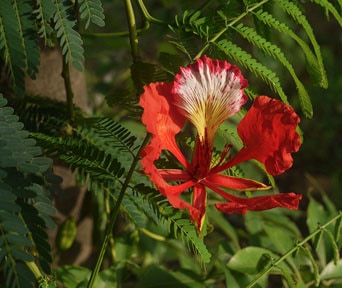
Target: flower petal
(208,92)
(235,183)
(175,175)
(199,201)
(268,132)
(162,120)
(260,203)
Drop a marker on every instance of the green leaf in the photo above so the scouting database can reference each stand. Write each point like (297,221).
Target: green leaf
(11,46)
(70,39)
(332,271)
(335,248)
(91,11)
(247,259)
(26,23)
(71,276)
(280,237)
(274,51)
(329,7)
(315,67)
(156,276)
(246,60)
(20,240)
(44,13)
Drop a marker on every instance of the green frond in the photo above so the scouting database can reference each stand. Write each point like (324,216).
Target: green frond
(246,60)
(25,207)
(125,97)
(69,39)
(41,114)
(26,24)
(186,231)
(177,225)
(11,46)
(90,160)
(142,73)
(114,135)
(330,8)
(170,63)
(91,11)
(44,13)
(296,14)
(188,30)
(146,73)
(274,51)
(138,210)
(314,67)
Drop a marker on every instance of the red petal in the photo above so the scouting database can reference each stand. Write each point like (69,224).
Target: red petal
(199,203)
(208,92)
(268,132)
(235,183)
(175,175)
(260,203)
(162,120)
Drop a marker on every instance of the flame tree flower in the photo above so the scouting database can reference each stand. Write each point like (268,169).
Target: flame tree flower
(206,93)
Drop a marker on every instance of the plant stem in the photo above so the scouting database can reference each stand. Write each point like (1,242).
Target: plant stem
(219,34)
(133,35)
(147,15)
(115,213)
(68,90)
(34,269)
(291,251)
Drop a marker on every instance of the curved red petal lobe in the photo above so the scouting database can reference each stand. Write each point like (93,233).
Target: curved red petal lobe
(268,132)
(260,203)
(235,183)
(162,119)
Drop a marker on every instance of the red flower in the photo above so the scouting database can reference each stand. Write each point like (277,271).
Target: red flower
(207,93)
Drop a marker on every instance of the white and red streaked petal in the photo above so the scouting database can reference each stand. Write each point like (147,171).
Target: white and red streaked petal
(207,93)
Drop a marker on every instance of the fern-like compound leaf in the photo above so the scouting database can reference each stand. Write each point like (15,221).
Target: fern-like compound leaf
(69,39)
(44,13)
(115,135)
(293,10)
(178,226)
(25,207)
(29,43)
(314,67)
(246,60)
(325,4)
(90,160)
(11,46)
(91,11)
(274,51)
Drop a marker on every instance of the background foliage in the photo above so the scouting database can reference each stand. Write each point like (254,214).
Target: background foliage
(286,49)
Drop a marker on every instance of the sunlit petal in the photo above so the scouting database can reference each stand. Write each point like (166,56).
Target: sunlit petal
(268,132)
(208,92)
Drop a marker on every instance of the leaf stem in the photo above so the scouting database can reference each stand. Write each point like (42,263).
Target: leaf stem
(220,33)
(147,15)
(294,249)
(34,269)
(68,89)
(115,213)
(133,35)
